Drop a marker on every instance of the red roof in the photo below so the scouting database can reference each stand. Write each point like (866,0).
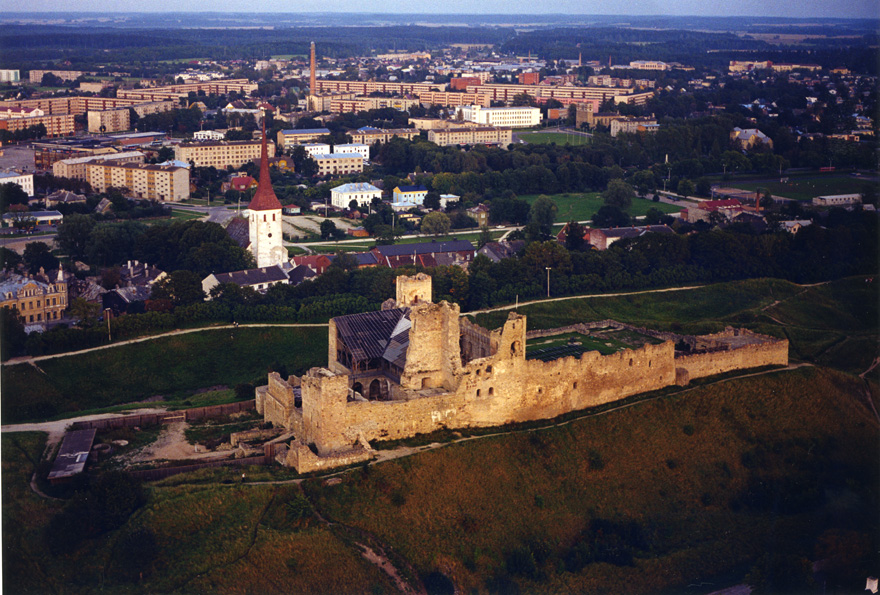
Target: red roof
(264,198)
(720,204)
(242,182)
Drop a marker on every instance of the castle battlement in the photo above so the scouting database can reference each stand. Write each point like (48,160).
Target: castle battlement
(419,367)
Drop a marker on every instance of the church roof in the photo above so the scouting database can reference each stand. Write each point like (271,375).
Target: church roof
(264,198)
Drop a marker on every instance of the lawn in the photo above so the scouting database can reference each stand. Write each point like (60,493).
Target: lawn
(805,188)
(185,215)
(560,138)
(171,367)
(582,206)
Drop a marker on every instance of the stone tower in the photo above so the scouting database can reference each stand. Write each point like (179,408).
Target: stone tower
(413,290)
(264,222)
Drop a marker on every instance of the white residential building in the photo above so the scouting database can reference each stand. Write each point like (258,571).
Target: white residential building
(314,149)
(363,193)
(364,150)
(26,181)
(511,117)
(209,135)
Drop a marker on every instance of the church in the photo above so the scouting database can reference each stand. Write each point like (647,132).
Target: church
(264,219)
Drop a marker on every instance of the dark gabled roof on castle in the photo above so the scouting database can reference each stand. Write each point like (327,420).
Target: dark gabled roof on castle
(425,248)
(368,335)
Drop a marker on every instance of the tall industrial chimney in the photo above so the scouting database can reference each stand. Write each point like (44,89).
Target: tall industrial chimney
(313,85)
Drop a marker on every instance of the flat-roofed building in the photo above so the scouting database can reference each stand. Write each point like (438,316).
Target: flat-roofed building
(287,138)
(113,120)
(10,76)
(208,135)
(449,99)
(38,217)
(25,181)
(77,168)
(838,200)
(476,135)
(36,76)
(342,105)
(72,455)
(629,125)
(153,182)
(221,154)
(339,164)
(363,193)
(513,117)
(361,149)
(370,136)
(316,149)
(21,118)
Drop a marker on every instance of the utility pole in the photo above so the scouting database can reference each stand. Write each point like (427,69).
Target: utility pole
(107,318)
(548,280)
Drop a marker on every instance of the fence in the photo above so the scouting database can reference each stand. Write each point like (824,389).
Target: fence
(162,473)
(151,419)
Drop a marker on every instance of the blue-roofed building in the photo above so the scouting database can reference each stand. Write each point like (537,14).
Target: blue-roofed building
(410,194)
(287,138)
(362,192)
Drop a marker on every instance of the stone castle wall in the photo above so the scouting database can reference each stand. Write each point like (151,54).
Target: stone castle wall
(771,353)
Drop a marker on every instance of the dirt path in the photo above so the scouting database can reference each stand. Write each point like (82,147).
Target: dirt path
(171,445)
(56,429)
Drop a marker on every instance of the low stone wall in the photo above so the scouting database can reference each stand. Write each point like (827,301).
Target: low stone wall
(300,457)
(250,435)
(582,327)
(151,419)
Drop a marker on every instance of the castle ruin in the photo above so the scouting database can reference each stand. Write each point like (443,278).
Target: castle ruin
(415,367)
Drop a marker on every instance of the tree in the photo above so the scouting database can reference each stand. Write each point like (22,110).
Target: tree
(345,261)
(10,259)
(38,255)
(485,237)
(180,287)
(12,194)
(22,218)
(86,313)
(543,215)
(685,187)
(12,335)
(432,201)
(73,235)
(328,229)
(610,216)
(436,223)
(618,194)
(574,237)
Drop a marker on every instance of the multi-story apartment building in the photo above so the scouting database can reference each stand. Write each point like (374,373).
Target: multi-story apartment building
(369,135)
(13,119)
(217,87)
(564,94)
(339,164)
(449,99)
(153,182)
(471,135)
(37,300)
(513,117)
(648,65)
(112,120)
(208,135)
(77,168)
(340,105)
(288,138)
(36,76)
(220,154)
(10,76)
(629,125)
(316,149)
(25,181)
(360,149)
(368,87)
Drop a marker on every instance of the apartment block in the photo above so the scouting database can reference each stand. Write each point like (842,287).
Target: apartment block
(471,135)
(369,135)
(339,164)
(78,168)
(152,182)
(513,117)
(221,154)
(113,120)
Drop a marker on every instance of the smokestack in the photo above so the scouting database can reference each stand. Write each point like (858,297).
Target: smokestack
(313,85)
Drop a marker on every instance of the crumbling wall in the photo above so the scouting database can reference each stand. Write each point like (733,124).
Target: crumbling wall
(433,357)
(324,397)
(769,353)
(276,400)
(413,290)
(300,457)
(477,342)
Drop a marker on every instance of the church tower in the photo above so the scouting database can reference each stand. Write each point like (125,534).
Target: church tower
(264,222)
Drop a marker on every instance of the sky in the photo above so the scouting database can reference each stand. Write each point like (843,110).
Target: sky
(775,8)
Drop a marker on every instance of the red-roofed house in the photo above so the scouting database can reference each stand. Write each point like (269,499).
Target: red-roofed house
(316,262)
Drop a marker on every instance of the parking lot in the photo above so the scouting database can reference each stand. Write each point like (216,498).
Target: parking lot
(17,157)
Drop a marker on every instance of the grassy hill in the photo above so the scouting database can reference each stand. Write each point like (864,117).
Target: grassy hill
(669,493)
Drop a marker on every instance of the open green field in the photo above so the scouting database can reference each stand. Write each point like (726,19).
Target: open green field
(560,138)
(173,367)
(370,243)
(604,341)
(805,188)
(582,206)
(185,215)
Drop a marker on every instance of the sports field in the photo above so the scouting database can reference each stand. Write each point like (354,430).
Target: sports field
(560,138)
(806,188)
(581,206)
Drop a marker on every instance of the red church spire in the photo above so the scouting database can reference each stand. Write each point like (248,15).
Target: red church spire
(264,198)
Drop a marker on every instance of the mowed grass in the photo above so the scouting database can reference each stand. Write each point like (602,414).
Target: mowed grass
(682,472)
(582,206)
(806,188)
(559,138)
(170,366)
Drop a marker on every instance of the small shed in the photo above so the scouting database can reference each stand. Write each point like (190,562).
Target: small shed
(72,455)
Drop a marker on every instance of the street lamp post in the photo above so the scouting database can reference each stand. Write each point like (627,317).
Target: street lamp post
(107,318)
(548,280)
